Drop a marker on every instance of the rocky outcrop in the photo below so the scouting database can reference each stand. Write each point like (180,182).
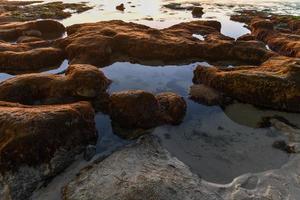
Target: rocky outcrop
(80,82)
(45,29)
(137,109)
(34,51)
(26,11)
(142,171)
(38,142)
(206,95)
(103,43)
(275,84)
(281,33)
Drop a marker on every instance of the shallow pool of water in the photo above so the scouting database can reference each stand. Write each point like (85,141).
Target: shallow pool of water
(216,145)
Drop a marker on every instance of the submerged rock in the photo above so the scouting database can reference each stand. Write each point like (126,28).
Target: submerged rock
(137,109)
(142,171)
(38,142)
(206,95)
(275,84)
(80,82)
(103,43)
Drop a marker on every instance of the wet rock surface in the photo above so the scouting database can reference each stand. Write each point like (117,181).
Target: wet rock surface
(137,109)
(32,151)
(34,49)
(103,43)
(33,10)
(146,170)
(280,32)
(142,171)
(50,89)
(275,84)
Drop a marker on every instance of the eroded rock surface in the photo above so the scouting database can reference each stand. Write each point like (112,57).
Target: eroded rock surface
(33,51)
(275,84)
(137,109)
(80,82)
(103,43)
(147,171)
(25,11)
(38,142)
(142,171)
(281,33)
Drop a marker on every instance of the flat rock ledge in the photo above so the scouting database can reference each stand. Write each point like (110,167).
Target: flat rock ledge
(38,142)
(147,171)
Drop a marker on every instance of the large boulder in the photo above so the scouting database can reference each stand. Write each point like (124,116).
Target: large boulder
(137,109)
(275,84)
(142,171)
(103,43)
(38,142)
(80,82)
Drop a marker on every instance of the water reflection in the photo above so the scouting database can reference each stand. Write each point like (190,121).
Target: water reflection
(215,146)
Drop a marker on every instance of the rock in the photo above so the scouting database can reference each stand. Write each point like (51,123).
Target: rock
(246,37)
(79,82)
(142,171)
(280,33)
(120,7)
(25,39)
(16,11)
(46,29)
(31,60)
(197,12)
(275,84)
(38,142)
(33,52)
(137,110)
(134,108)
(103,43)
(282,145)
(89,152)
(205,95)
(172,107)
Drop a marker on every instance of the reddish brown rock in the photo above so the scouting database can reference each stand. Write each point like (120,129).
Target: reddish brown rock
(137,109)
(79,82)
(172,107)
(33,52)
(47,29)
(246,37)
(281,33)
(32,60)
(275,84)
(38,142)
(103,43)
(205,95)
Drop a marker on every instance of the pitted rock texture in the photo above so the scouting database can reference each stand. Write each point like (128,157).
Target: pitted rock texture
(80,82)
(103,43)
(38,142)
(275,84)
